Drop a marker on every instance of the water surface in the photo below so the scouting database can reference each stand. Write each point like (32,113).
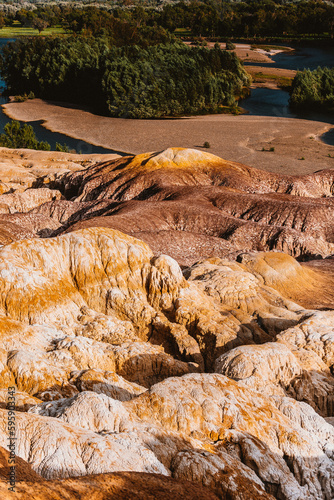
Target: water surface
(275,102)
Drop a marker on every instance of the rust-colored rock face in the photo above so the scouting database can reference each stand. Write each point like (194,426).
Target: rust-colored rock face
(119,485)
(194,205)
(182,202)
(138,377)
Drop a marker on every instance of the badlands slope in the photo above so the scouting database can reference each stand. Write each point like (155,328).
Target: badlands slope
(163,339)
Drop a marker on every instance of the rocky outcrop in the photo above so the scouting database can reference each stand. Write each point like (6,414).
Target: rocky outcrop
(219,372)
(314,334)
(27,200)
(180,199)
(25,168)
(117,297)
(23,472)
(104,346)
(187,167)
(185,203)
(203,426)
(274,369)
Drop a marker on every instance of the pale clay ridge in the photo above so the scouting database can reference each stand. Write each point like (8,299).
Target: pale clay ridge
(171,415)
(78,313)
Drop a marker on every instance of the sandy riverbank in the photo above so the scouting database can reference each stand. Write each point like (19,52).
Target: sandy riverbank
(247,53)
(270,78)
(237,138)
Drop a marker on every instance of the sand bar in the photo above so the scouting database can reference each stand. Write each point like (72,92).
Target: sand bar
(269,78)
(237,138)
(247,53)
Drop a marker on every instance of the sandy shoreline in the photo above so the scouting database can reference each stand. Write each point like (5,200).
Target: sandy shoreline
(247,53)
(237,138)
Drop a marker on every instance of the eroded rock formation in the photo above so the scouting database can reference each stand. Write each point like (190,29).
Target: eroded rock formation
(219,372)
(205,205)
(184,203)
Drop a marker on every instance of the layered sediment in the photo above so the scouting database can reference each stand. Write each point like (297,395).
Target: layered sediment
(144,364)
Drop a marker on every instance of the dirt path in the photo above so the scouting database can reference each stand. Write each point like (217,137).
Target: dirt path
(237,138)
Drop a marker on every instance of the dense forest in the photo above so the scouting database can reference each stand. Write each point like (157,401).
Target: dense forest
(128,61)
(214,18)
(130,81)
(313,89)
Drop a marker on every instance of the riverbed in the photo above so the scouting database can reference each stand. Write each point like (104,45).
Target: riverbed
(244,138)
(275,102)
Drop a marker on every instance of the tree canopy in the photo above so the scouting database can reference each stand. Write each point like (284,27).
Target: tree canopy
(16,136)
(128,23)
(160,80)
(313,89)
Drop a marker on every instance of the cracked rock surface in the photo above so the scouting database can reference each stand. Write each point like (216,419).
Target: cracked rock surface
(136,377)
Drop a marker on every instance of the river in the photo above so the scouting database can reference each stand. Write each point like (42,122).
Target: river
(261,102)
(275,102)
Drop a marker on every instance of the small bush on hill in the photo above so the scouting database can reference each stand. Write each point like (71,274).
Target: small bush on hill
(230,45)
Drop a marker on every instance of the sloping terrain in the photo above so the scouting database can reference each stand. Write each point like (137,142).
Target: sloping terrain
(126,365)
(185,203)
(194,205)
(134,375)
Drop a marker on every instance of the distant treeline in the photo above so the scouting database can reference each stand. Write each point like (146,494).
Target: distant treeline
(215,18)
(160,80)
(313,89)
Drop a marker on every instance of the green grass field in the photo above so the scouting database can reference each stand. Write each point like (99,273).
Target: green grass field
(17,31)
(281,81)
(182,32)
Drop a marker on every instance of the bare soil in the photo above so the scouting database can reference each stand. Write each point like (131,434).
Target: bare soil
(238,138)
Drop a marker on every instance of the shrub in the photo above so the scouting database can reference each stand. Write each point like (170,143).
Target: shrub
(230,45)
(24,97)
(16,136)
(63,148)
(20,98)
(313,89)
(206,145)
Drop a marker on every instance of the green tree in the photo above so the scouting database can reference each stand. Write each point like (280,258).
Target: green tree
(313,89)
(167,79)
(63,148)
(40,24)
(24,137)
